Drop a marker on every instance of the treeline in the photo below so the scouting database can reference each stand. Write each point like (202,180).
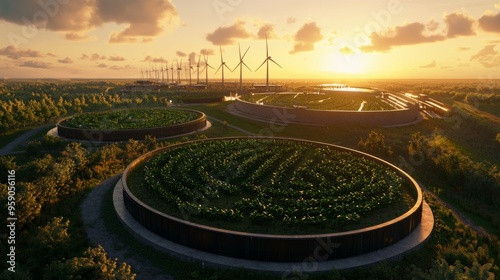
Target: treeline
(475,186)
(50,241)
(27,104)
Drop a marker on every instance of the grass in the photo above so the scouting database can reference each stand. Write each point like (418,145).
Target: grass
(10,136)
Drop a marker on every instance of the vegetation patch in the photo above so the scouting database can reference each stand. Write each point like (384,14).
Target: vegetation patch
(322,101)
(251,184)
(132,119)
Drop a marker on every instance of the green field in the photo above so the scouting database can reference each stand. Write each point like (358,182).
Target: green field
(322,101)
(261,185)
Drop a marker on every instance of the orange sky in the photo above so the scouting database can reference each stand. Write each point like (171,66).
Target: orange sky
(327,40)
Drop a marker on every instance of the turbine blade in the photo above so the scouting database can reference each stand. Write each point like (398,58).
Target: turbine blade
(275,62)
(267,48)
(261,65)
(228,68)
(246,66)
(237,66)
(218,69)
(245,53)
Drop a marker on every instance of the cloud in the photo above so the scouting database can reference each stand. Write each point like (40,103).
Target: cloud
(266,30)
(433,64)
(306,37)
(144,19)
(93,57)
(72,36)
(51,54)
(35,64)
(155,59)
(116,58)
(461,49)
(67,60)
(291,20)
(181,54)
(490,22)
(118,38)
(227,35)
(102,65)
(487,56)
(408,34)
(207,52)
(193,57)
(459,24)
(346,50)
(16,53)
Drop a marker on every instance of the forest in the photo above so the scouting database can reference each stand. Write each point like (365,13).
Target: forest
(456,158)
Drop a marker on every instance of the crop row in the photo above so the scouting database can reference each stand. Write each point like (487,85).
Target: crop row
(329,101)
(131,119)
(271,180)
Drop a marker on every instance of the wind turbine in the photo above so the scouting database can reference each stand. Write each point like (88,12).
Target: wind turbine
(142,73)
(222,65)
(190,69)
(268,58)
(241,66)
(162,74)
(206,70)
(166,70)
(179,69)
(172,69)
(198,70)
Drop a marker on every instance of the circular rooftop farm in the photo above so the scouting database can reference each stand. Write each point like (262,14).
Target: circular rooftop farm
(362,106)
(122,125)
(271,199)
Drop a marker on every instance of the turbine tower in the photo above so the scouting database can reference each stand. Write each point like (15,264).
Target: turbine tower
(179,69)
(162,74)
(166,70)
(206,70)
(172,71)
(190,69)
(198,70)
(241,66)
(268,58)
(222,65)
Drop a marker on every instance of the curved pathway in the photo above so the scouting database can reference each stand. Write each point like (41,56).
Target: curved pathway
(97,233)
(9,148)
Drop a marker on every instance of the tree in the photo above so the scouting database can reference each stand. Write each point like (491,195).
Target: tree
(94,264)
(375,143)
(51,241)
(28,204)
(78,154)
(7,163)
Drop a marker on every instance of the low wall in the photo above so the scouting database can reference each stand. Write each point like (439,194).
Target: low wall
(126,134)
(274,248)
(328,117)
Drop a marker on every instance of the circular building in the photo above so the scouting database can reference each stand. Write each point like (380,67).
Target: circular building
(360,106)
(272,199)
(122,125)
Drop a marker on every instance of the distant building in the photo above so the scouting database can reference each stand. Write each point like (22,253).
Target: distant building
(262,88)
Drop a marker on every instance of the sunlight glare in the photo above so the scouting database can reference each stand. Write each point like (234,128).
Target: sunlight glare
(355,63)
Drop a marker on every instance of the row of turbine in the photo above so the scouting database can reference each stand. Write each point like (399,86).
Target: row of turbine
(155,73)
